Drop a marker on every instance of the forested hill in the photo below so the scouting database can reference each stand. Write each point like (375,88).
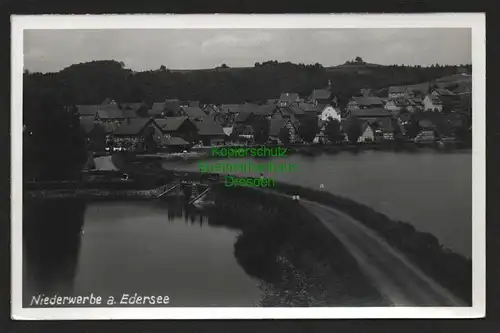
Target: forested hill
(92,82)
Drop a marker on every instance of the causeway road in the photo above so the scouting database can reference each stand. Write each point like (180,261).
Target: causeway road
(395,276)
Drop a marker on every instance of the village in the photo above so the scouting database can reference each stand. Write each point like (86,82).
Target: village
(424,114)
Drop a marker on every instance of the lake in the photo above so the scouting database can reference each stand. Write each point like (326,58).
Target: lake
(153,248)
(431,190)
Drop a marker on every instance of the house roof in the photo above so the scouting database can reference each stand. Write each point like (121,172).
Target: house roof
(134,127)
(272,101)
(435,99)
(442,91)
(397,89)
(111,114)
(170,124)
(321,94)
(194,103)
(173,141)
(209,128)
(369,113)
(289,97)
(367,101)
(194,112)
(276,125)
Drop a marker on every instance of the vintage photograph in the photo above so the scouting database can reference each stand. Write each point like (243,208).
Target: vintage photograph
(260,167)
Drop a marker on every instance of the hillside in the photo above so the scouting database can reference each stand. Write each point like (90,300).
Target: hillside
(92,82)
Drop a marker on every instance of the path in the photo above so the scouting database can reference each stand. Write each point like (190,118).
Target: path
(393,274)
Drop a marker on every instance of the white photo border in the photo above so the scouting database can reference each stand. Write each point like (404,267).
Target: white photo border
(474,21)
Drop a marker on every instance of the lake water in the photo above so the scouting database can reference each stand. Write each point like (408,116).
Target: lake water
(150,248)
(429,189)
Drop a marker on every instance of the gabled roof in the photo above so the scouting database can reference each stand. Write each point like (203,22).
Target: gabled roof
(209,128)
(194,112)
(293,110)
(367,101)
(370,113)
(321,94)
(108,101)
(171,124)
(289,97)
(134,127)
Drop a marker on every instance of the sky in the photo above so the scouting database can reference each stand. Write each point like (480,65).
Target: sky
(146,49)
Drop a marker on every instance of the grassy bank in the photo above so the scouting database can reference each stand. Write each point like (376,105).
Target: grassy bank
(299,262)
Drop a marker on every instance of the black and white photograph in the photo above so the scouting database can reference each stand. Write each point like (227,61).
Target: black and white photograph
(248,166)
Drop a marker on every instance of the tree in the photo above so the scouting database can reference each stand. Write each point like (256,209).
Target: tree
(333,130)
(284,135)
(308,128)
(163,68)
(224,66)
(354,130)
(358,59)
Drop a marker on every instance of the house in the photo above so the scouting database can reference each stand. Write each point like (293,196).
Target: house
(330,112)
(157,110)
(275,127)
(397,92)
(368,114)
(138,135)
(288,99)
(210,133)
(292,111)
(273,101)
(321,97)
(321,137)
(181,127)
(441,92)
(193,112)
(364,103)
(432,103)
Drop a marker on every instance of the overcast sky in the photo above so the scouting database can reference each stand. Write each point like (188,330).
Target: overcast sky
(53,50)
